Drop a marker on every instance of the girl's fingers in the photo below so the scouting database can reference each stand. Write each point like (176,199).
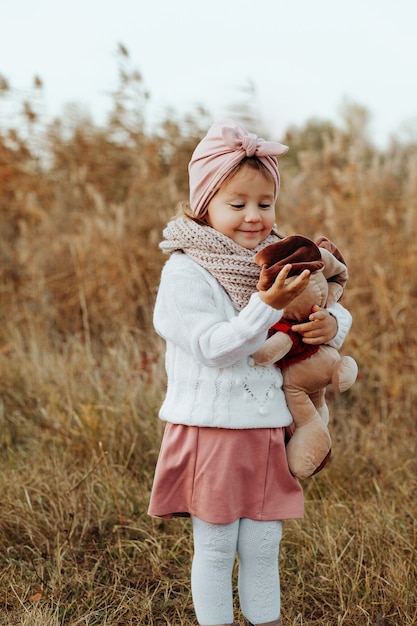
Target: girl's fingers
(283,274)
(301,280)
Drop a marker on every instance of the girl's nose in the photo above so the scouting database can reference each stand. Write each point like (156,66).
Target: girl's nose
(253,214)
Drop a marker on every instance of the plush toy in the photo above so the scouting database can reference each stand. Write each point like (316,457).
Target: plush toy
(307,370)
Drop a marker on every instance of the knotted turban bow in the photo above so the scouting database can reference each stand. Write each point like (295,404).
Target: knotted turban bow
(225,146)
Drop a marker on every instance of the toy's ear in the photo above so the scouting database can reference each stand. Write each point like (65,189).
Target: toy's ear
(336,274)
(323,242)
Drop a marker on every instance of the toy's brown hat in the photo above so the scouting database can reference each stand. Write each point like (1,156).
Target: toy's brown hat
(302,253)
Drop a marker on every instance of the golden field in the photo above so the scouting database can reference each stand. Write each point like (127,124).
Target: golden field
(81,373)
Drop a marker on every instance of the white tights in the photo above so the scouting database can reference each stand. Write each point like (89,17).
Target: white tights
(215,548)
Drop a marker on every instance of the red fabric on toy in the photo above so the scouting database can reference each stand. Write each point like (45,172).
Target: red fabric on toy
(299,350)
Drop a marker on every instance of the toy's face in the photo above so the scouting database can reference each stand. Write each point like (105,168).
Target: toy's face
(315,293)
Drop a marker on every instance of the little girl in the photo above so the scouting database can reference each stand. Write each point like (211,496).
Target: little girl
(222,459)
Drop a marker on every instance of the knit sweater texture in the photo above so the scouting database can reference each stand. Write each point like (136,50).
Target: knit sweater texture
(211,378)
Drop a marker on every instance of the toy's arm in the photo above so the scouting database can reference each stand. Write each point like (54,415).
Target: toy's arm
(274,349)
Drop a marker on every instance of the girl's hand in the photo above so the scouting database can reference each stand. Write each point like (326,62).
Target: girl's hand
(321,328)
(283,291)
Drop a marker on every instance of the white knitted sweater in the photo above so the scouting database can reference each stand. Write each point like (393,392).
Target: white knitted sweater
(210,378)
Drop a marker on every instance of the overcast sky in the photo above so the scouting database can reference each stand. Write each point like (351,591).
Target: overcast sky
(304,57)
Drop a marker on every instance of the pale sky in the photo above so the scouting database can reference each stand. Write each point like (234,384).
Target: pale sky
(304,57)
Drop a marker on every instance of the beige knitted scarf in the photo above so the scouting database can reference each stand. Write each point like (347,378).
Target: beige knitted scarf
(232,265)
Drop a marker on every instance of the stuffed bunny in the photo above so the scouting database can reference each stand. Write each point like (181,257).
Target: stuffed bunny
(307,370)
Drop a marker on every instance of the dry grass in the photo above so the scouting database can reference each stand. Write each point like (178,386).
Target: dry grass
(81,377)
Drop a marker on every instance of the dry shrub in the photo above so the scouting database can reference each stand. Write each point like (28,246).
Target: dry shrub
(82,375)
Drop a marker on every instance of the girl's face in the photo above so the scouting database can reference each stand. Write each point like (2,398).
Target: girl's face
(243,209)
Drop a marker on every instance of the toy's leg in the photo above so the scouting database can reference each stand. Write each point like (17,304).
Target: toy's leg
(308,447)
(345,373)
(311,442)
(318,398)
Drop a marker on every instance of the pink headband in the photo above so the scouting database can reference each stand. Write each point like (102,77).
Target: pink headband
(225,146)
